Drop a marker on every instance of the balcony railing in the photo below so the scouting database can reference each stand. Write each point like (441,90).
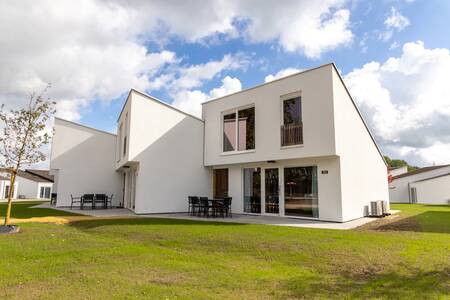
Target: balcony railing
(292,134)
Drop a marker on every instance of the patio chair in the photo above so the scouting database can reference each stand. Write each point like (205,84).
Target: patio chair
(87,198)
(194,204)
(227,206)
(109,200)
(100,198)
(204,206)
(74,200)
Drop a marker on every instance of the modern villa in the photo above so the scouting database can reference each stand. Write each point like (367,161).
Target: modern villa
(293,147)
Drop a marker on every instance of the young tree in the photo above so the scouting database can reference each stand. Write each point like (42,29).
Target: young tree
(23,136)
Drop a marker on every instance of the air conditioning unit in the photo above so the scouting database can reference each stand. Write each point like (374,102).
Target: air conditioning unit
(376,209)
(384,208)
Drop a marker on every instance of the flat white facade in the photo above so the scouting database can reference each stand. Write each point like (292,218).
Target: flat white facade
(336,142)
(161,155)
(434,190)
(428,189)
(83,162)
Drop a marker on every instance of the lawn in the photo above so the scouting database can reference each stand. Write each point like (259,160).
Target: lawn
(169,259)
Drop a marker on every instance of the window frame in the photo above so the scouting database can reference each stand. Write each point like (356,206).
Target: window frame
(236,111)
(283,98)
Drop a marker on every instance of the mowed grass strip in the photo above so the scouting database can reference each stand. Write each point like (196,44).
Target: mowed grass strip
(176,259)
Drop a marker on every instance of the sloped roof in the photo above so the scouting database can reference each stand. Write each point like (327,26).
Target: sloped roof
(434,177)
(421,170)
(31,175)
(41,173)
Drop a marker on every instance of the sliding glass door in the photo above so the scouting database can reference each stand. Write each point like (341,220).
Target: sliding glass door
(300,192)
(272,189)
(252,190)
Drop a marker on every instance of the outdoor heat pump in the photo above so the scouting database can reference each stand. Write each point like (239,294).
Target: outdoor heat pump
(384,208)
(376,209)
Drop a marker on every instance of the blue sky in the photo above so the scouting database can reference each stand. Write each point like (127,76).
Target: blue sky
(93,52)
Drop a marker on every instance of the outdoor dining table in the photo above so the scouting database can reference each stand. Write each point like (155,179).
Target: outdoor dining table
(213,203)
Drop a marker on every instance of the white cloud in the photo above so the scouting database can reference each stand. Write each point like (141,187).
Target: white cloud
(190,101)
(395,21)
(281,73)
(406,101)
(88,50)
(309,27)
(394,45)
(92,49)
(193,76)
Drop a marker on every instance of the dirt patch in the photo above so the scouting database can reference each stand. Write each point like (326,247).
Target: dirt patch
(393,223)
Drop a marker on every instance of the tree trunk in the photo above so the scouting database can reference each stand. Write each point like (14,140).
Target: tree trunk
(10,196)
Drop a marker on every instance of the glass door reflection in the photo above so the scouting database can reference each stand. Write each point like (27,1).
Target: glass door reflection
(272,191)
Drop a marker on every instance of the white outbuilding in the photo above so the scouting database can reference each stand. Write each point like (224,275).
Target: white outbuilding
(429,185)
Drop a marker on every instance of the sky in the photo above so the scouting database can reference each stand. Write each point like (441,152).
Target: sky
(393,55)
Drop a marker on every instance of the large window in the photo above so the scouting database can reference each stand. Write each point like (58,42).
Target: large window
(292,127)
(252,190)
(300,192)
(239,130)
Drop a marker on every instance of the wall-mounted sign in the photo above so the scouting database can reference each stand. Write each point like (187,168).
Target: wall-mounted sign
(324,171)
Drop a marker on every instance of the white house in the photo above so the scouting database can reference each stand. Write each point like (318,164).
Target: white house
(295,147)
(29,184)
(429,185)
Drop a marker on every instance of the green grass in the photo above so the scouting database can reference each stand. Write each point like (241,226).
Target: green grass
(175,259)
(24,210)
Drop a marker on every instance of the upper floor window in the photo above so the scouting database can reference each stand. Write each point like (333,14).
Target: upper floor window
(292,127)
(119,140)
(239,130)
(125,135)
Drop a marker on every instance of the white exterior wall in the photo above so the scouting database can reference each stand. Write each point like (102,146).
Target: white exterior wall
(364,175)
(399,189)
(166,146)
(27,188)
(433,191)
(328,184)
(84,160)
(398,171)
(315,87)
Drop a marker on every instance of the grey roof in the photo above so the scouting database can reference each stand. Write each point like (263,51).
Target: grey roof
(434,177)
(421,170)
(33,176)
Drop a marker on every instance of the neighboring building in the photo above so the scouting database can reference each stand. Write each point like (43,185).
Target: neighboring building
(295,147)
(429,185)
(29,184)
(5,186)
(395,171)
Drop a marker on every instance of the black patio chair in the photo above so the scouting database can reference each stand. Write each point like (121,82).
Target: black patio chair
(194,205)
(227,206)
(100,198)
(204,206)
(87,198)
(74,200)
(109,200)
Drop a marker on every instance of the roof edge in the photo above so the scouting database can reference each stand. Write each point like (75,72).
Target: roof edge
(269,82)
(85,126)
(159,101)
(360,115)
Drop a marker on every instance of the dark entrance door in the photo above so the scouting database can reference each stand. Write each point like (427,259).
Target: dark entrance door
(220,183)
